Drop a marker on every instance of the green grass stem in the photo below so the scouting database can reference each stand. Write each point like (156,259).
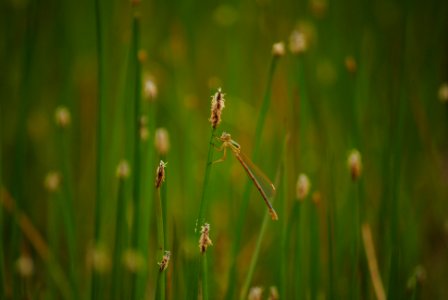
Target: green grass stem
(95,291)
(264,224)
(314,251)
(66,209)
(355,205)
(161,246)
(254,258)
(120,240)
(203,205)
(2,253)
(136,191)
(203,212)
(204,290)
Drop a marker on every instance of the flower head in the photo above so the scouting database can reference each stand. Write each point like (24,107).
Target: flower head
(218,104)
(204,239)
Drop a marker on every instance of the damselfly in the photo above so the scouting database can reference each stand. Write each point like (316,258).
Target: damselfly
(262,183)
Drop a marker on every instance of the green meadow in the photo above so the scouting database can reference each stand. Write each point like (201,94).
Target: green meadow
(142,143)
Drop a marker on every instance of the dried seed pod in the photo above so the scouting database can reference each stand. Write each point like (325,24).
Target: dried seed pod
(302,187)
(278,49)
(218,104)
(52,181)
(62,116)
(162,141)
(355,164)
(163,265)
(160,174)
(123,170)
(204,239)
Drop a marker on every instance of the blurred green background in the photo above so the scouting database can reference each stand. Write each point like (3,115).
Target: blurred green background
(373,78)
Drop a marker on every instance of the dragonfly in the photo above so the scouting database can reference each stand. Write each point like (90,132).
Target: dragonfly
(261,181)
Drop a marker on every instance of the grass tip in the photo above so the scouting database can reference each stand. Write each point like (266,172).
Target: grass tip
(319,8)
(52,181)
(443,93)
(273,293)
(204,239)
(62,116)
(350,64)
(25,266)
(123,169)
(316,197)
(303,187)
(133,261)
(218,104)
(354,164)
(162,141)
(160,174)
(99,259)
(142,55)
(150,90)
(255,293)
(278,49)
(163,264)
(298,43)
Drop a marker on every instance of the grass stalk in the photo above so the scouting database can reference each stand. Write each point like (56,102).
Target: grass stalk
(354,290)
(52,233)
(204,277)
(161,246)
(67,210)
(136,192)
(254,258)
(120,237)
(99,142)
(137,141)
(315,251)
(2,254)
(202,214)
(245,200)
(203,206)
(264,224)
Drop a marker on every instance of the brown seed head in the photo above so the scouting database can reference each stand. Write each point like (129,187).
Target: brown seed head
(123,170)
(218,104)
(204,239)
(150,89)
(273,293)
(317,198)
(350,64)
(133,260)
(163,265)
(25,265)
(319,7)
(278,49)
(162,141)
(160,174)
(302,187)
(443,93)
(52,181)
(297,42)
(62,116)
(255,293)
(354,164)
(142,55)
(99,259)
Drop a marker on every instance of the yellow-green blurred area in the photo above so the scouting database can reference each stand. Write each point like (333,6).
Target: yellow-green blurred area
(371,76)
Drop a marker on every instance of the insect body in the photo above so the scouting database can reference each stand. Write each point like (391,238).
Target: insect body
(261,182)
